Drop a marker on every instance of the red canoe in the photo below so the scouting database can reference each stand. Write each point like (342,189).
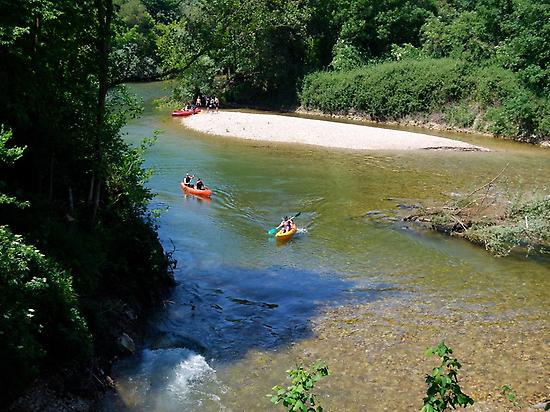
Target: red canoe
(206,192)
(186,112)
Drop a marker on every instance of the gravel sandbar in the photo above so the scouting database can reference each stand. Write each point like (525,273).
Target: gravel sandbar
(277,128)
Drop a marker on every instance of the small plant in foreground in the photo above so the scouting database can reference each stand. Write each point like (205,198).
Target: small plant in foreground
(509,394)
(443,388)
(297,397)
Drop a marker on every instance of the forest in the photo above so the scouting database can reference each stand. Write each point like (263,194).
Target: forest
(80,259)
(480,66)
(79,248)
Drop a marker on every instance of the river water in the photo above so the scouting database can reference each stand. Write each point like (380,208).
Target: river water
(366,296)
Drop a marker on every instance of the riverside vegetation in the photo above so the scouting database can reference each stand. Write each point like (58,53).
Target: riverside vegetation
(491,217)
(80,260)
(298,396)
(481,66)
(443,390)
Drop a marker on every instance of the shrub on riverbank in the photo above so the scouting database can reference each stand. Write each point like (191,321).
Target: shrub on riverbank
(68,289)
(487,99)
(495,221)
(386,91)
(41,319)
(526,224)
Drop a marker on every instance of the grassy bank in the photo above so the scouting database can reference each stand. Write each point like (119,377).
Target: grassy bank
(452,93)
(503,224)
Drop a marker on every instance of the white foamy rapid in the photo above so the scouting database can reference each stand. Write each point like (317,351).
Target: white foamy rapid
(168,380)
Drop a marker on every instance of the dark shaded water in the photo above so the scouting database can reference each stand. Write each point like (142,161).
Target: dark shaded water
(365,296)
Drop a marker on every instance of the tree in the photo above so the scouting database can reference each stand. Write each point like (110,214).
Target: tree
(372,27)
(80,184)
(258,47)
(134,55)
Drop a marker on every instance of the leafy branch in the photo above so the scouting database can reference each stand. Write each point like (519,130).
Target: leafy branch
(443,388)
(297,396)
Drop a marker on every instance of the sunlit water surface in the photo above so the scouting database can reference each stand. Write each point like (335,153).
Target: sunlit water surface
(365,296)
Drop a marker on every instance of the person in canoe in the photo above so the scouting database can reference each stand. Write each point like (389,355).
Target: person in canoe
(187,180)
(200,184)
(286,224)
(289,224)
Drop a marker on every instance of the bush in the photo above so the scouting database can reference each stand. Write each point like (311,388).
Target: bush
(526,224)
(388,90)
(346,57)
(443,388)
(40,314)
(298,396)
(394,90)
(460,115)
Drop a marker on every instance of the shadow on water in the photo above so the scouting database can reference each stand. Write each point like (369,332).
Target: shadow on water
(223,313)
(214,318)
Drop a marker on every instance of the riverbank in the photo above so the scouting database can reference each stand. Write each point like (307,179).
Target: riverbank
(434,121)
(83,386)
(276,128)
(493,221)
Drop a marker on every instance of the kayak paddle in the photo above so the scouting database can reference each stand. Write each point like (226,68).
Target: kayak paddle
(273,230)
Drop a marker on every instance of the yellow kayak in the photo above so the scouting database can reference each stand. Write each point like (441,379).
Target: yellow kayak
(280,235)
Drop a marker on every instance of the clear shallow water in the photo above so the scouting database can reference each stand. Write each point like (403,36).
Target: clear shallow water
(367,297)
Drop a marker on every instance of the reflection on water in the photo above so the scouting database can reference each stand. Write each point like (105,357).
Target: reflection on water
(366,296)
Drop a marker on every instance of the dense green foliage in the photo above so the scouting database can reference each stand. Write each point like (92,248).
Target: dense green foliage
(250,48)
(387,90)
(501,87)
(135,55)
(495,54)
(76,244)
(443,389)
(41,314)
(298,396)
(491,99)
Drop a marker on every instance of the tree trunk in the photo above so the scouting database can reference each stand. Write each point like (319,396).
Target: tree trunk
(105,14)
(91,192)
(71,200)
(97,198)
(50,183)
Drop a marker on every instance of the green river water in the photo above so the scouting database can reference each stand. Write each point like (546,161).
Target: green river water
(365,296)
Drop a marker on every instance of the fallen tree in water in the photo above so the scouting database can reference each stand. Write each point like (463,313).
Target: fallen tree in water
(489,217)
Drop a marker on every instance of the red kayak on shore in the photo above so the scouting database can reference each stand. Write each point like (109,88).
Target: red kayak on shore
(190,112)
(206,192)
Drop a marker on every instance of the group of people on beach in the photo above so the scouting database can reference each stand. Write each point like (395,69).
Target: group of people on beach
(210,103)
(199,184)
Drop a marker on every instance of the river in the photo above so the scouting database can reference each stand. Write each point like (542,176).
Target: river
(366,296)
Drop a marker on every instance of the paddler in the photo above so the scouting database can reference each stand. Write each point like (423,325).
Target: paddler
(187,180)
(200,184)
(286,224)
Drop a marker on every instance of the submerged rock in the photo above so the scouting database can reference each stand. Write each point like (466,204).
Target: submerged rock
(126,344)
(171,340)
(541,405)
